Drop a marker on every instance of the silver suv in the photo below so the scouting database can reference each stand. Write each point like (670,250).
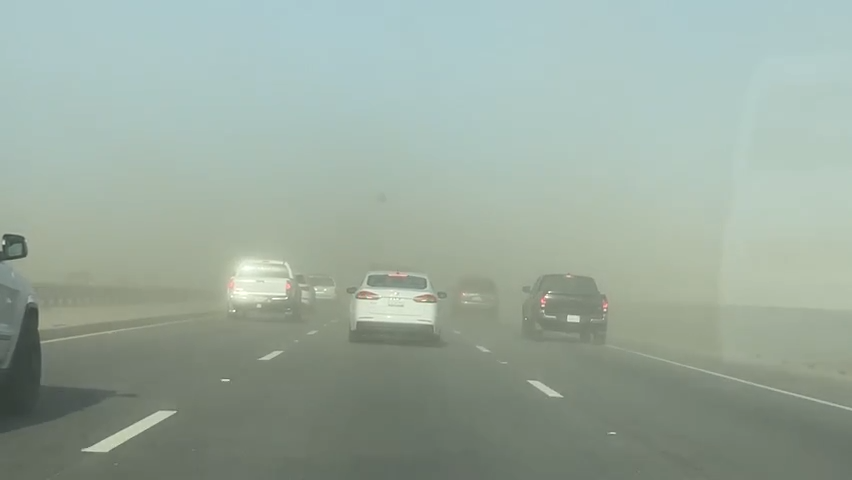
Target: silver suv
(264,286)
(20,344)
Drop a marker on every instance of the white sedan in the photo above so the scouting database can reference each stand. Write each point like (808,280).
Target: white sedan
(394,303)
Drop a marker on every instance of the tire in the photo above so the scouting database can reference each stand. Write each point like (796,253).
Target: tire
(354,337)
(599,338)
(20,390)
(234,315)
(528,329)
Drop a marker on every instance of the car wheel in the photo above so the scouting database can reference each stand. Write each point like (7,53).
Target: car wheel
(528,329)
(20,391)
(599,338)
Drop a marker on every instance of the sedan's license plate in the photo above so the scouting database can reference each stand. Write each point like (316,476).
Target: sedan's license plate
(573,319)
(395,302)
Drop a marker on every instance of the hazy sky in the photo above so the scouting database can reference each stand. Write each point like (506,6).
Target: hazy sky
(156,141)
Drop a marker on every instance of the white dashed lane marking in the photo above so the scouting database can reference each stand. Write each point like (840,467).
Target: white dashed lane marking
(108,444)
(271,355)
(482,349)
(545,389)
(312,332)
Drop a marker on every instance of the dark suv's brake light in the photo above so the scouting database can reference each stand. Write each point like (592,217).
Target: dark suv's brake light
(366,295)
(231,284)
(604,304)
(543,302)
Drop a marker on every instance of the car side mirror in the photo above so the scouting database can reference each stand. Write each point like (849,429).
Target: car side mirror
(351,290)
(13,247)
(526,289)
(442,295)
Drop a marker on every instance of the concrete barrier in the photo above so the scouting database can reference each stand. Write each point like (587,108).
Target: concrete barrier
(62,318)
(53,295)
(801,338)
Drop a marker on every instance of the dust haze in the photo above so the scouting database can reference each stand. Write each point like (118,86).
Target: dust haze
(159,152)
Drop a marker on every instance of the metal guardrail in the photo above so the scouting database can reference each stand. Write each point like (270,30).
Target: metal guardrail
(52,295)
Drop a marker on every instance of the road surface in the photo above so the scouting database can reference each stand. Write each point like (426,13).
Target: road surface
(217,399)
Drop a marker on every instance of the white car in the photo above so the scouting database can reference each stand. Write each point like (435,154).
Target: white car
(20,343)
(394,303)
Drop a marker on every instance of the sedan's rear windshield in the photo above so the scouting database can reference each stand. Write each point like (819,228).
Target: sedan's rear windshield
(402,282)
(263,271)
(569,284)
(477,285)
(321,281)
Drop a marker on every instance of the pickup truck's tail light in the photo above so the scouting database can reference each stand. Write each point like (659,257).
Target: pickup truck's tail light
(366,295)
(288,285)
(231,284)
(542,302)
(427,298)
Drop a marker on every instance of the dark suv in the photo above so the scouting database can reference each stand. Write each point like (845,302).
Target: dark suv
(476,295)
(565,303)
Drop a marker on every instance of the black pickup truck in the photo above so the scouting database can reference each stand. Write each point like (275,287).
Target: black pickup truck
(565,303)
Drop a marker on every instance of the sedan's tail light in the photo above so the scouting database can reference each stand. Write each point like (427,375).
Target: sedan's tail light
(427,298)
(288,286)
(366,295)
(231,283)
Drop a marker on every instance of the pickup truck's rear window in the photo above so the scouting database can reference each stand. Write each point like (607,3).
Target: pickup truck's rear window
(569,284)
(263,271)
(402,282)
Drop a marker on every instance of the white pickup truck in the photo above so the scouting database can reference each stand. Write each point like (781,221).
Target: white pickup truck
(20,344)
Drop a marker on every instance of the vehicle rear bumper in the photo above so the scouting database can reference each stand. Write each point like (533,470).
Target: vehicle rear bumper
(395,327)
(561,324)
(475,306)
(263,304)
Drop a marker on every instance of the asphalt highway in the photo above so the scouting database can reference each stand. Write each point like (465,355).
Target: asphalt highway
(211,398)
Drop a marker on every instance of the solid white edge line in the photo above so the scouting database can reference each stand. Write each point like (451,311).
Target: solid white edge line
(457,332)
(482,349)
(118,330)
(108,444)
(270,355)
(735,379)
(312,332)
(545,389)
